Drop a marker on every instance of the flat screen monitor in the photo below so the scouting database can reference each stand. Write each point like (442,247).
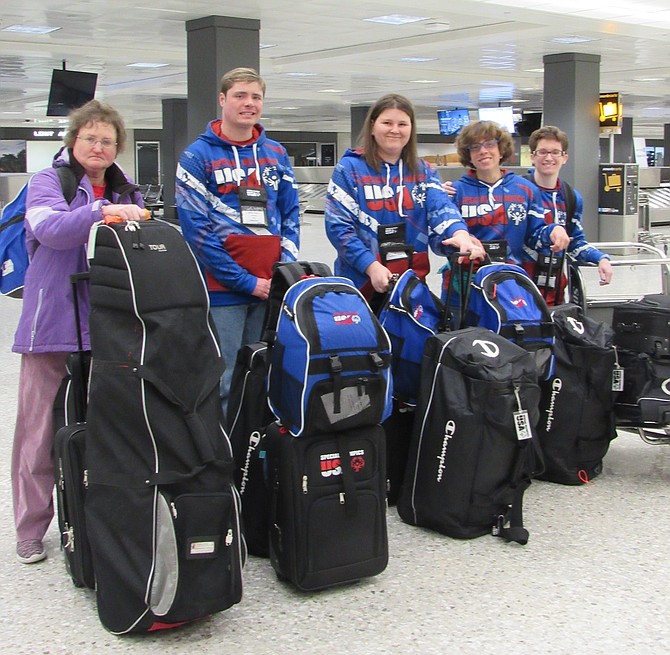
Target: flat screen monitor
(529,122)
(70,90)
(452,120)
(504,116)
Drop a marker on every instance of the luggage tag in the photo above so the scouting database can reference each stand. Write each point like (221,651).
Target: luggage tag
(521,420)
(253,206)
(617,374)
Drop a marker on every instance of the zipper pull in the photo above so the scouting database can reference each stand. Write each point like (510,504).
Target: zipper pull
(229,537)
(304,484)
(342,501)
(173,509)
(86,478)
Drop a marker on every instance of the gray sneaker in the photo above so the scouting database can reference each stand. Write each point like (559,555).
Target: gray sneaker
(30,551)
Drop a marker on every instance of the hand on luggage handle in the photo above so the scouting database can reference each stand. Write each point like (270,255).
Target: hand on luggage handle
(108,220)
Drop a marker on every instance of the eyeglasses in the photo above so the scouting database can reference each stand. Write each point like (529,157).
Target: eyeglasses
(105,144)
(544,153)
(489,145)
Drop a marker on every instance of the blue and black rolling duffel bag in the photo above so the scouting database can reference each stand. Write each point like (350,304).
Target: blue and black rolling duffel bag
(410,316)
(504,299)
(330,360)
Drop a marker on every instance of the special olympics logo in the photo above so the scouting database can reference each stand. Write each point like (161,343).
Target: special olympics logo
(516,213)
(419,194)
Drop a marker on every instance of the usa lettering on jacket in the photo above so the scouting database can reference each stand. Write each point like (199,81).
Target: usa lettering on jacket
(386,197)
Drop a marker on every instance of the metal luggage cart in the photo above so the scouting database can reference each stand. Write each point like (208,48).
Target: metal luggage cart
(639,269)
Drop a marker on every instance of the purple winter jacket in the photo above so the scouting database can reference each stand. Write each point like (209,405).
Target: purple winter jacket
(56,238)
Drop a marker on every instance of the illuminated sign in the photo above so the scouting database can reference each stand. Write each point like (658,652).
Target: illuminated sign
(610,112)
(48,134)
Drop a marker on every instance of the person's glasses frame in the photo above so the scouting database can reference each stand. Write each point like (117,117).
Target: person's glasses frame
(543,153)
(489,144)
(91,141)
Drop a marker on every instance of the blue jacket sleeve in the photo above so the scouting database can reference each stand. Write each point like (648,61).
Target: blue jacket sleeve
(342,216)
(444,217)
(538,233)
(288,205)
(579,247)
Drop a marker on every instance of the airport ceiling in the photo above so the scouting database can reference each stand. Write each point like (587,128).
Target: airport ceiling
(319,57)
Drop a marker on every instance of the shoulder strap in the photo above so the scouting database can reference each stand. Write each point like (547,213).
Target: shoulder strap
(68,182)
(570,204)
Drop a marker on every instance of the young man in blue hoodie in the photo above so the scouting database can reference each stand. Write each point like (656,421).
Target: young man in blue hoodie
(237,203)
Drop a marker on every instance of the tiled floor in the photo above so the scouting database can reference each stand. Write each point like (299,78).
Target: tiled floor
(594,577)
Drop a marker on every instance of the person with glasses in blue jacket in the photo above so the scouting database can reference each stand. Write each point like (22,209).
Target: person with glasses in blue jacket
(498,205)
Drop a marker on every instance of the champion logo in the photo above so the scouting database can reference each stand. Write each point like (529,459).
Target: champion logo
(519,302)
(418,312)
(346,318)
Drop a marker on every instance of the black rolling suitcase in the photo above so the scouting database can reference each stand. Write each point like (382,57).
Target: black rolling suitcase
(162,511)
(69,450)
(249,412)
(474,449)
(642,338)
(643,326)
(327,508)
(577,420)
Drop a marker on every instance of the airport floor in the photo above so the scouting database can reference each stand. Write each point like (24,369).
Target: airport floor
(594,577)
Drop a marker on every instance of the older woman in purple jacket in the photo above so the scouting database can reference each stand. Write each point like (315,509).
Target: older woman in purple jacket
(57,234)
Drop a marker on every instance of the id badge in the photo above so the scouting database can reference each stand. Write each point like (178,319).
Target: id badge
(253,206)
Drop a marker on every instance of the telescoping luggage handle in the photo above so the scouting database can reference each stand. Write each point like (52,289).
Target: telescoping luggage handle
(557,262)
(80,397)
(465,277)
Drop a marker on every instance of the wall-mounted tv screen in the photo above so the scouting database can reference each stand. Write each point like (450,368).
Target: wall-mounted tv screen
(529,122)
(452,120)
(504,116)
(69,90)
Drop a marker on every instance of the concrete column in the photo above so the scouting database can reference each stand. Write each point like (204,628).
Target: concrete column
(624,147)
(571,93)
(666,145)
(215,45)
(172,145)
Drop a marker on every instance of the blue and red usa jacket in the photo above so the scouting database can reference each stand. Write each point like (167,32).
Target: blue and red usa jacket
(360,199)
(209,175)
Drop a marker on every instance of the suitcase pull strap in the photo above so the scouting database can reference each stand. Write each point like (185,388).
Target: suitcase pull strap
(349,498)
(194,421)
(335,372)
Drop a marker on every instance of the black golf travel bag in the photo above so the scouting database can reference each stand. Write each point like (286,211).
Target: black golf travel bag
(577,407)
(327,506)
(69,449)
(162,511)
(249,413)
(474,449)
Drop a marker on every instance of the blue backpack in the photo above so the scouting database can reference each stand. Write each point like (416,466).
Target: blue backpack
(504,299)
(411,314)
(13,253)
(330,360)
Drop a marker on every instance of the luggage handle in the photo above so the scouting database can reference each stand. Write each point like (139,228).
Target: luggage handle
(80,398)
(454,267)
(560,263)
